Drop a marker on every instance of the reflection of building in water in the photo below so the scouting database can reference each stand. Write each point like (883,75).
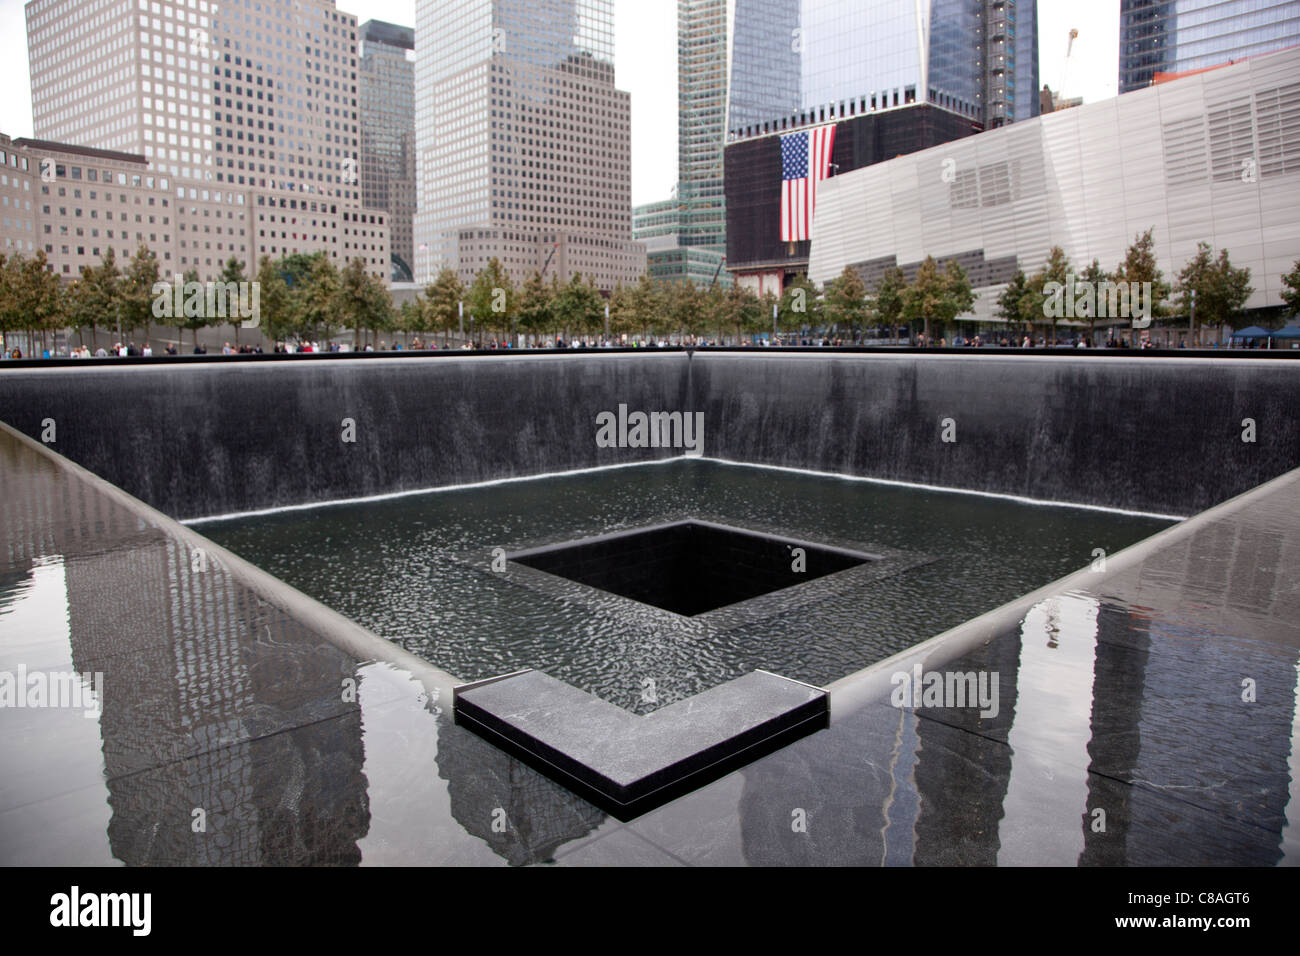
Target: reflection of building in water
(212,702)
(883,786)
(523,816)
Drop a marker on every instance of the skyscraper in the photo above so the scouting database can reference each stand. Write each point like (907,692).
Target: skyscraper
(249,110)
(702,121)
(386,80)
(1173,37)
(524,141)
(685,235)
(894,76)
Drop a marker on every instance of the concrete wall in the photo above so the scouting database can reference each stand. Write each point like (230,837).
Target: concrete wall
(195,439)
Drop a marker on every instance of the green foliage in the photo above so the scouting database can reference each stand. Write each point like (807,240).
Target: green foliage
(1139,265)
(1291,289)
(492,298)
(846,302)
(137,296)
(442,299)
(364,301)
(800,306)
(1220,289)
(886,302)
(579,307)
(534,306)
(1010,298)
(935,296)
(276,305)
(744,310)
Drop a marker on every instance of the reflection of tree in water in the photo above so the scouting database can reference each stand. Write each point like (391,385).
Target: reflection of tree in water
(540,815)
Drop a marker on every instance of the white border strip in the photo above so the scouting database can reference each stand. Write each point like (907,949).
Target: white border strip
(492,482)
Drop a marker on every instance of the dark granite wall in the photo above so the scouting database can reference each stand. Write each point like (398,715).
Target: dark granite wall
(196,439)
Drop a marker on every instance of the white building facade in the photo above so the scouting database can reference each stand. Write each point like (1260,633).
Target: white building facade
(1211,158)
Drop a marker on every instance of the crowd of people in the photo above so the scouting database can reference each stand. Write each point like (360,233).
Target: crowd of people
(131,350)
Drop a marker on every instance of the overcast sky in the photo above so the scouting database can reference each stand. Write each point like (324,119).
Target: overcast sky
(646,66)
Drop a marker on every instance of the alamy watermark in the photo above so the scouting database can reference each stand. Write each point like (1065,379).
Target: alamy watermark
(651,430)
(225,300)
(946,689)
(1083,299)
(52,689)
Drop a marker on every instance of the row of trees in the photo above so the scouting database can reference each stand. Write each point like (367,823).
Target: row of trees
(306,297)
(301,296)
(668,309)
(1207,291)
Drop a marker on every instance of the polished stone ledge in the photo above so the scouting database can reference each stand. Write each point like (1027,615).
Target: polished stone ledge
(627,764)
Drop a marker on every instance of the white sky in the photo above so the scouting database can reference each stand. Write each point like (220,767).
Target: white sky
(646,66)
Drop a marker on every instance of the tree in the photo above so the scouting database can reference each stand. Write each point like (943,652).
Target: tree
(232,273)
(961,297)
(317,299)
(647,310)
(10,313)
(492,297)
(579,306)
(1095,275)
(105,287)
(800,306)
(1220,290)
(1045,305)
(1138,266)
(278,320)
(714,309)
(684,305)
(934,296)
(1291,289)
(886,301)
(534,306)
(410,319)
(137,291)
(846,301)
(442,299)
(771,305)
(744,310)
(364,300)
(1009,299)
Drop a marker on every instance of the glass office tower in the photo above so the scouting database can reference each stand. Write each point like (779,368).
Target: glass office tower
(799,62)
(386,90)
(1173,36)
(895,76)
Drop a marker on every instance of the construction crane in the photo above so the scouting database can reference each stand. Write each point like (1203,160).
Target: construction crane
(1065,70)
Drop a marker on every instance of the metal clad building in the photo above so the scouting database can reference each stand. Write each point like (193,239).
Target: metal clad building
(1213,157)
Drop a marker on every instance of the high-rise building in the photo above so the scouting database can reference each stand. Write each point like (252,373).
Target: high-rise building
(893,76)
(1164,36)
(524,141)
(686,236)
(76,203)
(248,110)
(702,121)
(386,81)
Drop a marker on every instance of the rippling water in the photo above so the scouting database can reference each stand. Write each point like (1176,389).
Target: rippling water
(414,570)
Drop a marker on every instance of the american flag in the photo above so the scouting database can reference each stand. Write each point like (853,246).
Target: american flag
(805,161)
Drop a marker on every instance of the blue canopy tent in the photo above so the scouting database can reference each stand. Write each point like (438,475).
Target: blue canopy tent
(1287,338)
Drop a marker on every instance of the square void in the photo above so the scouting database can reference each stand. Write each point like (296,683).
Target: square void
(690,567)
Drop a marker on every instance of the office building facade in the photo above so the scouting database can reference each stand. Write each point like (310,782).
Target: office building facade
(76,203)
(686,235)
(894,76)
(1213,157)
(248,110)
(1177,36)
(386,90)
(524,141)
